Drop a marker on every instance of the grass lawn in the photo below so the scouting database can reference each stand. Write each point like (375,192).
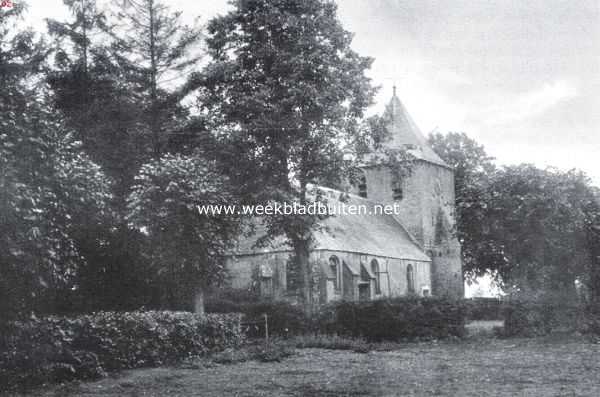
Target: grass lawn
(481,367)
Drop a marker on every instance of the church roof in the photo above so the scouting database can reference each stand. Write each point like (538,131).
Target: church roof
(405,134)
(374,234)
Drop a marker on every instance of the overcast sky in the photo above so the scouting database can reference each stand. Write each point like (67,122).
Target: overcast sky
(521,77)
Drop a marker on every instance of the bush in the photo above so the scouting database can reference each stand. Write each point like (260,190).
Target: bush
(398,319)
(523,318)
(406,318)
(55,349)
(283,318)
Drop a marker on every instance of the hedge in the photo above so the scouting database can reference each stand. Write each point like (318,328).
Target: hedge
(284,319)
(406,318)
(54,349)
(523,318)
(398,319)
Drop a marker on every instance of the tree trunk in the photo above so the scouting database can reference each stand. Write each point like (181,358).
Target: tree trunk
(199,301)
(302,251)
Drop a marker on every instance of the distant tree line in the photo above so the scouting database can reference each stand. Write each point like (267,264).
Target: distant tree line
(534,230)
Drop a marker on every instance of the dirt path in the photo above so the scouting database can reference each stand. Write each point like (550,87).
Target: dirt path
(477,368)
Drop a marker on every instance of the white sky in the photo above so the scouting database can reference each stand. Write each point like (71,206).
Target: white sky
(520,77)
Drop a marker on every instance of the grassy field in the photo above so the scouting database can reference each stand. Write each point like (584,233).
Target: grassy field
(482,367)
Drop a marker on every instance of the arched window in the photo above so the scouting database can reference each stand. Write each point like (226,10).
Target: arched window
(362,185)
(336,271)
(377,273)
(410,279)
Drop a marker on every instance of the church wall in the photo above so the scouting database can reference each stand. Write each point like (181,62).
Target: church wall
(245,273)
(393,278)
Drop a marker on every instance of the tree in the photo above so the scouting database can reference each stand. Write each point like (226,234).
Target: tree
(90,92)
(283,92)
(155,51)
(541,220)
(93,98)
(186,249)
(48,186)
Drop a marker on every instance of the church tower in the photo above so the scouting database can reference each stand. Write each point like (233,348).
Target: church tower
(425,198)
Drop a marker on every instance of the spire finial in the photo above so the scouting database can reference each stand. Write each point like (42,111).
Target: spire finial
(394,90)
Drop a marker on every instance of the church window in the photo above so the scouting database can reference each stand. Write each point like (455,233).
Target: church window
(336,271)
(266,280)
(377,274)
(397,192)
(410,279)
(362,186)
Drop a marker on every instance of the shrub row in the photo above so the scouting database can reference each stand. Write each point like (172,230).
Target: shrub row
(406,318)
(55,349)
(538,319)
(398,319)
(284,319)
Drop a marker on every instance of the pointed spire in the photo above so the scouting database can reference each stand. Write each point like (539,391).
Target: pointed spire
(406,134)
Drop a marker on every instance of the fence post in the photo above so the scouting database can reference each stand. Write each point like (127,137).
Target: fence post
(266,330)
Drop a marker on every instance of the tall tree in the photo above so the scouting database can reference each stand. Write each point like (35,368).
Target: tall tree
(283,91)
(156,51)
(48,187)
(541,219)
(93,98)
(90,92)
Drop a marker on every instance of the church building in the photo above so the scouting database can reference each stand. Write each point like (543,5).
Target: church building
(371,256)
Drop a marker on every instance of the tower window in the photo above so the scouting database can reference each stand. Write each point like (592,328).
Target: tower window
(362,186)
(397,192)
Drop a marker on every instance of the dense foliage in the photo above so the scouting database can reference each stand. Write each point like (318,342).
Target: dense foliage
(526,318)
(51,192)
(186,250)
(397,319)
(283,319)
(533,229)
(54,349)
